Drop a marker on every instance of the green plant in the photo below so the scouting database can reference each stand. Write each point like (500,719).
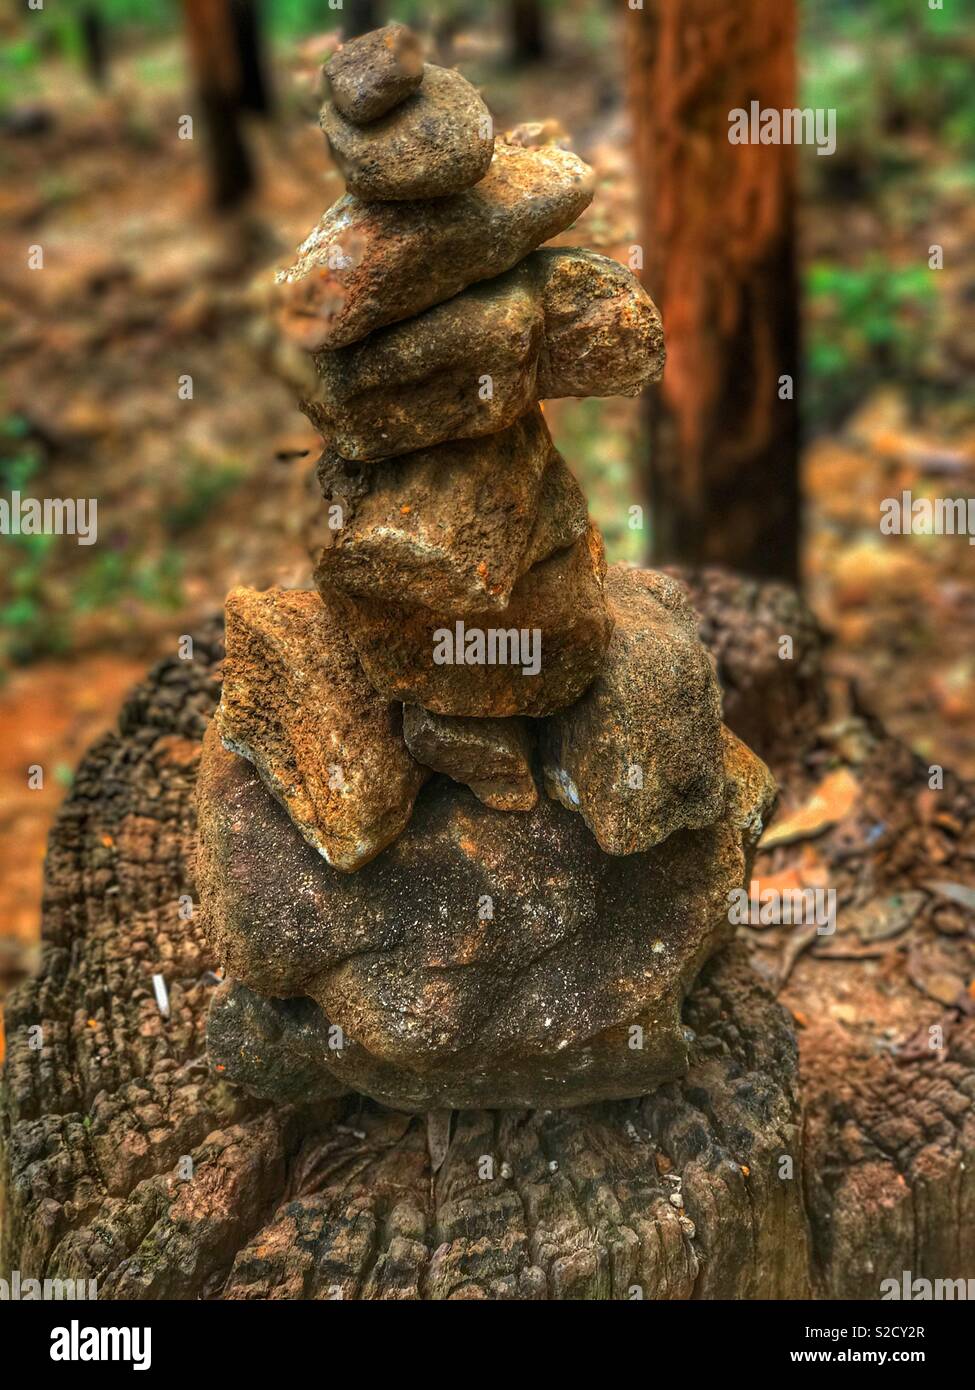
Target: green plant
(864,323)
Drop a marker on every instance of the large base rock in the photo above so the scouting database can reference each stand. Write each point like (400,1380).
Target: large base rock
(484,959)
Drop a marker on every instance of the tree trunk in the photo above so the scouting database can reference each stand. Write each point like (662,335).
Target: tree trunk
(212,34)
(824,1168)
(255,90)
(359,16)
(526,25)
(93,45)
(719,244)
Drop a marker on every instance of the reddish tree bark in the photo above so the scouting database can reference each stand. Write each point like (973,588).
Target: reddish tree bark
(719,247)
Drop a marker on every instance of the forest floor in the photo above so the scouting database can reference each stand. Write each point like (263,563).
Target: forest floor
(140,287)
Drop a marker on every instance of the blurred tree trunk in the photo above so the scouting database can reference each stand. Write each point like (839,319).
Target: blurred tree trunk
(255,88)
(526,25)
(93,45)
(212,32)
(719,258)
(360,16)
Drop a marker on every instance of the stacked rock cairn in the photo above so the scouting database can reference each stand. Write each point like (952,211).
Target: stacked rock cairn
(468,816)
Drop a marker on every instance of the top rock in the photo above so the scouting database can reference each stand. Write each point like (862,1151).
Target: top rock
(437,142)
(370,75)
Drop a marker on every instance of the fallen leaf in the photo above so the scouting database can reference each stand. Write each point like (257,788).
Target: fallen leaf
(832,800)
(885,917)
(935,973)
(960,893)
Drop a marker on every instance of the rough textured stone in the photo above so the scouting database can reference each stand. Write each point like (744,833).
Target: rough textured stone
(491,756)
(603,335)
(297,705)
(562,323)
(452,527)
(563,516)
(438,141)
(640,754)
(774,706)
(557,607)
(441,1005)
(374,72)
(370,264)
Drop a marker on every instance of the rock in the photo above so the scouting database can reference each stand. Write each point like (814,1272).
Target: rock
(482,960)
(562,323)
(271,1047)
(533,134)
(535,656)
(775,706)
(563,516)
(374,72)
(640,754)
(453,527)
(491,756)
(297,705)
(421,381)
(370,264)
(437,142)
(603,335)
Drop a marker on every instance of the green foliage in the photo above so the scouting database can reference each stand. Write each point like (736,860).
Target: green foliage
(116,575)
(889,63)
(204,488)
(31,625)
(864,325)
(601,453)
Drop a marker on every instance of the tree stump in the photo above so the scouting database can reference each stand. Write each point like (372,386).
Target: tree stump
(770,1171)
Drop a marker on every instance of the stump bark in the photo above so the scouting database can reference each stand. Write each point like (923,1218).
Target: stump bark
(770,1171)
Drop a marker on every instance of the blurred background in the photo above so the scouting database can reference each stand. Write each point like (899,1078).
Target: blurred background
(778,263)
